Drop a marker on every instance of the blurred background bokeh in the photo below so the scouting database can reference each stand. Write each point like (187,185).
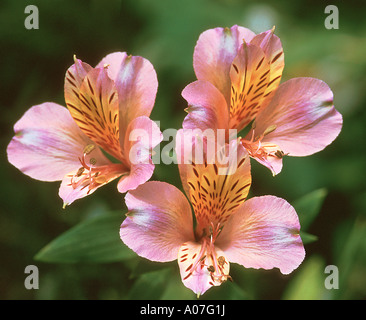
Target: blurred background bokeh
(33,65)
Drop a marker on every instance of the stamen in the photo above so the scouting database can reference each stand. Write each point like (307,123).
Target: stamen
(279,154)
(100,179)
(80,171)
(269,129)
(211,269)
(221,261)
(89,148)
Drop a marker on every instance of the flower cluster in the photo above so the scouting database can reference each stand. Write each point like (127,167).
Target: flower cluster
(105,133)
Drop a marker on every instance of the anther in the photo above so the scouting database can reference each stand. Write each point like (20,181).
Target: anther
(100,179)
(93,161)
(80,171)
(211,269)
(280,154)
(89,148)
(221,261)
(270,129)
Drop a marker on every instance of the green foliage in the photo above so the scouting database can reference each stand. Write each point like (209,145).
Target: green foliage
(93,240)
(308,207)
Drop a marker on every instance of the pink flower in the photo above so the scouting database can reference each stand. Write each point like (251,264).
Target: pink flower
(239,77)
(262,232)
(108,109)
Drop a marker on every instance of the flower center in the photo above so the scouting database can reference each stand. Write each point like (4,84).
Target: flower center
(262,150)
(92,176)
(217,265)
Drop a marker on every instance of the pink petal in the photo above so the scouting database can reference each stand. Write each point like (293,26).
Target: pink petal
(266,153)
(48,143)
(264,233)
(302,111)
(68,194)
(137,84)
(113,63)
(183,149)
(207,107)
(193,265)
(142,135)
(76,185)
(214,53)
(136,176)
(158,222)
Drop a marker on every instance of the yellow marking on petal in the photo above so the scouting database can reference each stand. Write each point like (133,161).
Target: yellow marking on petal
(255,75)
(93,103)
(250,77)
(215,196)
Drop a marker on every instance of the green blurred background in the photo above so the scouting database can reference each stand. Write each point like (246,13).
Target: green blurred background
(33,64)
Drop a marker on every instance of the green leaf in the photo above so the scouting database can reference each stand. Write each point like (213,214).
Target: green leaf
(307,237)
(308,282)
(150,286)
(308,207)
(93,240)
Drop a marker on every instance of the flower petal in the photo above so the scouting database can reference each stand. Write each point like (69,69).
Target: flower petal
(158,222)
(74,78)
(214,53)
(142,135)
(82,182)
(218,187)
(194,265)
(94,107)
(266,153)
(272,48)
(137,175)
(113,63)
(137,85)
(207,107)
(250,77)
(264,233)
(47,143)
(303,115)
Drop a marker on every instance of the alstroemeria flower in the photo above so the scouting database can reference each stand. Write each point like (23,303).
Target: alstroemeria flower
(239,77)
(108,108)
(262,232)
